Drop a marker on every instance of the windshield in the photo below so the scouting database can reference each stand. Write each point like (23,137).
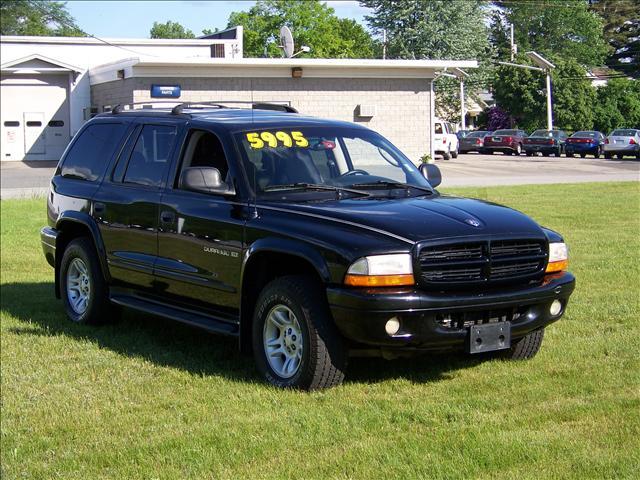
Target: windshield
(479,133)
(505,132)
(542,133)
(337,157)
(584,135)
(624,133)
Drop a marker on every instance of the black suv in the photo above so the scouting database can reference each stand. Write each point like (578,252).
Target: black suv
(309,240)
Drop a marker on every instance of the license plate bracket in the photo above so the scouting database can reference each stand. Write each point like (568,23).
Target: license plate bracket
(489,337)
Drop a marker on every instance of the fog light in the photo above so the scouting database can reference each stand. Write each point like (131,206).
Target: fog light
(555,308)
(392,326)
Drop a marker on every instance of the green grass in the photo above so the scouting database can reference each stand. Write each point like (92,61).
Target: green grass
(145,398)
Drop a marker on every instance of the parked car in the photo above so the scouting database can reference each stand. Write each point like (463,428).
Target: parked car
(463,133)
(621,142)
(474,142)
(507,141)
(547,142)
(445,139)
(583,143)
(305,239)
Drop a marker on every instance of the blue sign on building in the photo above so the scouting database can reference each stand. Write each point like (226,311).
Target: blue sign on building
(165,91)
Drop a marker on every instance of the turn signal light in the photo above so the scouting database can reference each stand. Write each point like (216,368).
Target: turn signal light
(560,266)
(378,280)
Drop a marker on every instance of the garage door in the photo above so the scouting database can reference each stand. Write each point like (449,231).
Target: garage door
(34,116)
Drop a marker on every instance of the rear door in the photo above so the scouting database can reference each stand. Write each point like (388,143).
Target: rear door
(200,240)
(126,206)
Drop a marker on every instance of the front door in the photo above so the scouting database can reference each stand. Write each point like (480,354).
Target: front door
(35,139)
(200,238)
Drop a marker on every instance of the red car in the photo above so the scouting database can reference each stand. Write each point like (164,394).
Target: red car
(507,141)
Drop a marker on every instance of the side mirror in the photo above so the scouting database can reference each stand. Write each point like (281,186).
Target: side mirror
(432,173)
(204,180)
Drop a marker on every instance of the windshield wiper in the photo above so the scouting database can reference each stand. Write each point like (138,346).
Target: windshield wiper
(313,186)
(390,184)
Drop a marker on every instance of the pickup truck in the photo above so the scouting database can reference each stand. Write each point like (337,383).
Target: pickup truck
(307,240)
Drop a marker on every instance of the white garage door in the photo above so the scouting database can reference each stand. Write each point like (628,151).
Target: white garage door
(34,116)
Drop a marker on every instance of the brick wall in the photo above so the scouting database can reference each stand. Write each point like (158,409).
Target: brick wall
(402,105)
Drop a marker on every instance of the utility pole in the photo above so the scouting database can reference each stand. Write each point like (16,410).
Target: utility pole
(514,47)
(463,110)
(549,108)
(384,43)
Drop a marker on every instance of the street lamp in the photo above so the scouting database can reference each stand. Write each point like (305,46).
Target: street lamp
(543,65)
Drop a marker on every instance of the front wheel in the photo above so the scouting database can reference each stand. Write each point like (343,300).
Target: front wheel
(295,343)
(526,347)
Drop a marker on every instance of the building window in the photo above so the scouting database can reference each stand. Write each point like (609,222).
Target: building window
(34,123)
(56,123)
(217,50)
(11,123)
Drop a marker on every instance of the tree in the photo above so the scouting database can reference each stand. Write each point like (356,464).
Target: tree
(37,18)
(522,93)
(618,105)
(622,32)
(494,118)
(567,29)
(170,30)
(446,30)
(313,24)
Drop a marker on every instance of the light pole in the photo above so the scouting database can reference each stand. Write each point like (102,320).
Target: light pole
(543,65)
(461,74)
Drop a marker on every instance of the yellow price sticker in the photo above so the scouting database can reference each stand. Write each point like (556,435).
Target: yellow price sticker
(272,140)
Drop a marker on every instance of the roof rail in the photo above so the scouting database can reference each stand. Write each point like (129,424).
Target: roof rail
(280,107)
(120,107)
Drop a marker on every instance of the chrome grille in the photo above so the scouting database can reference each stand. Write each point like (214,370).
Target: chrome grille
(481,262)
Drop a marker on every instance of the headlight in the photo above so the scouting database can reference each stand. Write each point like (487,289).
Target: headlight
(381,271)
(558,257)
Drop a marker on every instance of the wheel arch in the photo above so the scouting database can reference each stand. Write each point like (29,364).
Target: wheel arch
(266,260)
(72,225)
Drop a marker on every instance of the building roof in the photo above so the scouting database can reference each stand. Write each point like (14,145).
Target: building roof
(273,67)
(37,63)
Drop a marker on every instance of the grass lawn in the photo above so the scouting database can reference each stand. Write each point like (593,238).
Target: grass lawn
(145,398)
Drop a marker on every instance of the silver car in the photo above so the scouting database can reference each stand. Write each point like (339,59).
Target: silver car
(621,142)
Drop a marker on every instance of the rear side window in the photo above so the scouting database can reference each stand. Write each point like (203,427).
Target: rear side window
(150,156)
(90,153)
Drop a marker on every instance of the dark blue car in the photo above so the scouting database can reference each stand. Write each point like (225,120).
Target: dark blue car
(585,143)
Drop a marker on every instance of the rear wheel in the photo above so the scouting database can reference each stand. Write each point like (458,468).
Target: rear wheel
(518,149)
(620,156)
(608,155)
(583,155)
(597,154)
(295,343)
(454,154)
(83,289)
(526,347)
(446,155)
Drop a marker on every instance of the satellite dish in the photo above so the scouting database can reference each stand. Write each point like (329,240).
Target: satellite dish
(286,41)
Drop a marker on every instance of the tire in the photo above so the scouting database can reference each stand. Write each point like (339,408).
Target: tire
(570,155)
(296,303)
(559,152)
(597,154)
(488,152)
(583,155)
(526,347)
(454,154)
(446,156)
(608,156)
(620,156)
(84,291)
(518,149)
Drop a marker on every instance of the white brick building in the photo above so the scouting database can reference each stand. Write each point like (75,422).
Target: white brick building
(393,97)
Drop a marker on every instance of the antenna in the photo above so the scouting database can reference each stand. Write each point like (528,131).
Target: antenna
(286,41)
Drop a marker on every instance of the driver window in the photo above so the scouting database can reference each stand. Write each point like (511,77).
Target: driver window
(204,149)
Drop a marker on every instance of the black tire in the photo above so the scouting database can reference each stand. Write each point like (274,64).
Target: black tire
(620,156)
(526,347)
(518,150)
(583,155)
(454,154)
(570,155)
(98,308)
(597,154)
(607,156)
(446,156)
(324,357)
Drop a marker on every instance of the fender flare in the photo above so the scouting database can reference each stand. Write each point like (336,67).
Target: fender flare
(84,219)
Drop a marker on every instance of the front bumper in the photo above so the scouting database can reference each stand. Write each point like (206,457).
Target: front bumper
(48,237)
(361,314)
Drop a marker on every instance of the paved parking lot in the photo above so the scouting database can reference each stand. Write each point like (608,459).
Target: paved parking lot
(29,179)
(473,169)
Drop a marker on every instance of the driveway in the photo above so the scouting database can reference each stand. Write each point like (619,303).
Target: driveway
(27,179)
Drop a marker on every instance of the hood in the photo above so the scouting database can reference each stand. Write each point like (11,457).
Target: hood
(420,218)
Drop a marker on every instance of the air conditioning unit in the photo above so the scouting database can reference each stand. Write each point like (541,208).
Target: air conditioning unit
(366,110)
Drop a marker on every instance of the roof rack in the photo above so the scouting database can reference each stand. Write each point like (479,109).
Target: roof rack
(279,107)
(178,109)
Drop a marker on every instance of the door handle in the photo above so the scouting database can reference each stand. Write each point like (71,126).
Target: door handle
(99,207)
(167,217)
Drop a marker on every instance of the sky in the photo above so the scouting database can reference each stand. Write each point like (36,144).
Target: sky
(128,19)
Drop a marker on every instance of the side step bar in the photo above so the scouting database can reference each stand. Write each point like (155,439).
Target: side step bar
(190,317)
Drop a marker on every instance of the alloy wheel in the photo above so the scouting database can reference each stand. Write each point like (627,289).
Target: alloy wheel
(78,286)
(283,341)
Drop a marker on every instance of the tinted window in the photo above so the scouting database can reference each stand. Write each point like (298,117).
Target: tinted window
(91,152)
(56,123)
(585,135)
(478,134)
(34,123)
(625,133)
(437,128)
(150,157)
(11,124)
(506,132)
(204,149)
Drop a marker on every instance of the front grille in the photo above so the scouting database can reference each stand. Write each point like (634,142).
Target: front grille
(482,262)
